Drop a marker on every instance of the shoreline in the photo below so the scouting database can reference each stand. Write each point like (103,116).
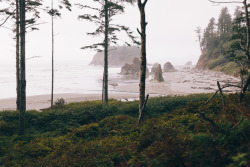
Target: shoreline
(40,102)
(182,82)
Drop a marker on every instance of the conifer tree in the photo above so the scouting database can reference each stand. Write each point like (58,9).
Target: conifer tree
(107,30)
(224,22)
(53,12)
(243,38)
(13,12)
(199,36)
(21,7)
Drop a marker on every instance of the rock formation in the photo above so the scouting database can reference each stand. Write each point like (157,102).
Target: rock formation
(189,63)
(158,74)
(132,70)
(155,66)
(118,56)
(168,67)
(129,69)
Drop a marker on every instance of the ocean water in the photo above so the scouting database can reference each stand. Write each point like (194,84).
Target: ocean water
(76,79)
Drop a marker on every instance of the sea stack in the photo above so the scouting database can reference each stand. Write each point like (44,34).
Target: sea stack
(168,67)
(158,74)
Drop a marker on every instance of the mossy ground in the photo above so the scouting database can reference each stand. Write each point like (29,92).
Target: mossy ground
(176,131)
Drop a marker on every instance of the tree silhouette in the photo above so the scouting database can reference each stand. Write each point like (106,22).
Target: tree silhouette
(142,32)
(108,30)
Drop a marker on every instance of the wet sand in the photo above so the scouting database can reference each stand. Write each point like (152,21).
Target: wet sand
(183,82)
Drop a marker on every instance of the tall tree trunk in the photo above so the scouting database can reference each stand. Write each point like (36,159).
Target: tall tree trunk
(244,89)
(22,71)
(143,67)
(106,44)
(103,86)
(17,56)
(247,29)
(52,78)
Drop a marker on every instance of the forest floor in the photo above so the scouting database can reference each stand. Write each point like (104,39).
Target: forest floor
(180,131)
(183,82)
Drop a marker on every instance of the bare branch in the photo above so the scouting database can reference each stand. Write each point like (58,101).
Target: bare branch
(7,19)
(238,123)
(85,6)
(32,57)
(145,2)
(221,94)
(35,24)
(225,1)
(225,86)
(139,31)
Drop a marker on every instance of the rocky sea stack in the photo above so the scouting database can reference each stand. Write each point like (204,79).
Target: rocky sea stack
(189,63)
(158,74)
(154,68)
(168,67)
(132,70)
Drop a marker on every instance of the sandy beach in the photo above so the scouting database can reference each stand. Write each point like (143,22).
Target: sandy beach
(43,101)
(183,82)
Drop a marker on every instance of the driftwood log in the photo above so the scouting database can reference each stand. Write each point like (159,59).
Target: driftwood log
(221,94)
(220,89)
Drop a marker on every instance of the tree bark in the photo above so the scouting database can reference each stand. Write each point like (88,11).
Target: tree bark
(106,44)
(22,70)
(52,34)
(244,89)
(247,29)
(17,56)
(143,57)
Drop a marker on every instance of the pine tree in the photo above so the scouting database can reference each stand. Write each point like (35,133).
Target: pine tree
(224,22)
(243,38)
(104,17)
(21,7)
(210,39)
(239,50)
(53,12)
(199,36)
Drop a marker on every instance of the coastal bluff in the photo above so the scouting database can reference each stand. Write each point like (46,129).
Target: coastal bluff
(118,55)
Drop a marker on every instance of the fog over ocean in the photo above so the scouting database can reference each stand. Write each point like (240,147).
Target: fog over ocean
(68,79)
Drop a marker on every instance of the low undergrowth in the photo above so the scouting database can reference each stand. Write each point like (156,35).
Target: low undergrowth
(177,131)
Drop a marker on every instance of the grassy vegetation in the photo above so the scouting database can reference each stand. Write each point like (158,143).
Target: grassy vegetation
(177,131)
(218,63)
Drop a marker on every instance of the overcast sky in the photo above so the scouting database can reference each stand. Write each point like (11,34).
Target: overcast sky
(170,33)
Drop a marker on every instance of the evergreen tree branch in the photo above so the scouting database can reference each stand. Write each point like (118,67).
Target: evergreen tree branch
(85,6)
(31,25)
(7,18)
